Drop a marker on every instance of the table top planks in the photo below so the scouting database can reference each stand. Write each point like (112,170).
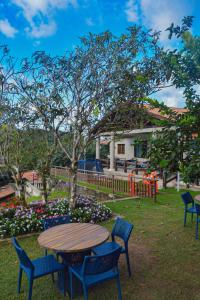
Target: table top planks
(73,237)
(197,197)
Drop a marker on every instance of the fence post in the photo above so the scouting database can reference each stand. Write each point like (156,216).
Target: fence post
(125,166)
(113,188)
(178,181)
(164,179)
(155,190)
(98,181)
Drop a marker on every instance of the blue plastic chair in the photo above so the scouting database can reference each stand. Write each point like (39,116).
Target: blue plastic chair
(54,221)
(189,206)
(96,269)
(197,206)
(121,229)
(36,268)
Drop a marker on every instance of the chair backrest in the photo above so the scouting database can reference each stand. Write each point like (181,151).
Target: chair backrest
(187,198)
(54,221)
(122,229)
(197,206)
(23,257)
(101,263)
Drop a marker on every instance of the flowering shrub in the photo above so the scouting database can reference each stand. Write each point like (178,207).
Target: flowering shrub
(20,220)
(10,203)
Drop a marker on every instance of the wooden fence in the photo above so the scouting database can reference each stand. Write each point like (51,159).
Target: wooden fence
(132,185)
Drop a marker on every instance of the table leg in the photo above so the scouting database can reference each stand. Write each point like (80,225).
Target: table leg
(71,259)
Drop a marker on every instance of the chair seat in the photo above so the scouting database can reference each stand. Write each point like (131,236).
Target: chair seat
(192,210)
(93,279)
(46,265)
(106,247)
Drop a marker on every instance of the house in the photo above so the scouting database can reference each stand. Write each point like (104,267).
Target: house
(132,141)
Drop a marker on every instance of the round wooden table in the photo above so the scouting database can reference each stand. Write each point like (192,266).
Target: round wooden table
(197,198)
(73,237)
(73,242)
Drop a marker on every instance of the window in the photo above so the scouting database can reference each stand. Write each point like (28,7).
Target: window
(121,148)
(140,150)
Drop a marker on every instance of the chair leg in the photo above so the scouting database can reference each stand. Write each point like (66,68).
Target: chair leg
(185,218)
(19,280)
(64,283)
(53,279)
(197,229)
(45,252)
(85,291)
(57,256)
(119,288)
(71,285)
(30,288)
(128,264)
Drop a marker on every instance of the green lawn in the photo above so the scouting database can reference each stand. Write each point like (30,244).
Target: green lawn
(165,256)
(53,195)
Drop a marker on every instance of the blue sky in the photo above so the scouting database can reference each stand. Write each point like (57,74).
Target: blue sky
(56,25)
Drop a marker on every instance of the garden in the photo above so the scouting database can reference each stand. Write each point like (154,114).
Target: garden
(21,220)
(52,109)
(164,255)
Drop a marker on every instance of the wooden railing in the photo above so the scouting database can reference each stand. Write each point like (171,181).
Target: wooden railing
(132,185)
(123,165)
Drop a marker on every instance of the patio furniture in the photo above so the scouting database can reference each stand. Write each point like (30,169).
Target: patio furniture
(54,221)
(75,241)
(197,206)
(121,229)
(189,206)
(97,269)
(36,268)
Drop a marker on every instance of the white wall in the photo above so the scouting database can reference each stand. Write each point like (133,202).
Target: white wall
(129,147)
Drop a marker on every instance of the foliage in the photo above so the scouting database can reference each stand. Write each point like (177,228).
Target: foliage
(70,95)
(178,145)
(21,220)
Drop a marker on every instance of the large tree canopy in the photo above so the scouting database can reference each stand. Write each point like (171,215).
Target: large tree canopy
(68,96)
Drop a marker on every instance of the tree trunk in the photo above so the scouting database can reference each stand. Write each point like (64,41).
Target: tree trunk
(44,189)
(73,171)
(20,185)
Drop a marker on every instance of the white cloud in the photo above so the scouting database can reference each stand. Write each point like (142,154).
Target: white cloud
(158,14)
(131,10)
(39,14)
(171,96)
(89,21)
(42,30)
(7,29)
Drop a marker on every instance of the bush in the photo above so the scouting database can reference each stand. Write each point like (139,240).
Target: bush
(20,220)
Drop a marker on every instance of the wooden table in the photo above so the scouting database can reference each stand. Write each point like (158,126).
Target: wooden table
(197,198)
(75,241)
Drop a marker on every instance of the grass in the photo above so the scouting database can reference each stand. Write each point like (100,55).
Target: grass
(53,195)
(165,256)
(94,187)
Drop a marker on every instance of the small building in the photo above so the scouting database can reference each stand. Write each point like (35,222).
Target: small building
(132,141)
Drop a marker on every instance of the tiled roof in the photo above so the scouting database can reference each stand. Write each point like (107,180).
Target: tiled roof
(157,113)
(31,176)
(6,191)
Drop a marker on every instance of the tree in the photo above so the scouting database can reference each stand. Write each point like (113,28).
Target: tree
(45,147)
(179,147)
(14,150)
(70,95)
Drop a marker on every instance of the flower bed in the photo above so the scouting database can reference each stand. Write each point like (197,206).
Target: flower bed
(20,220)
